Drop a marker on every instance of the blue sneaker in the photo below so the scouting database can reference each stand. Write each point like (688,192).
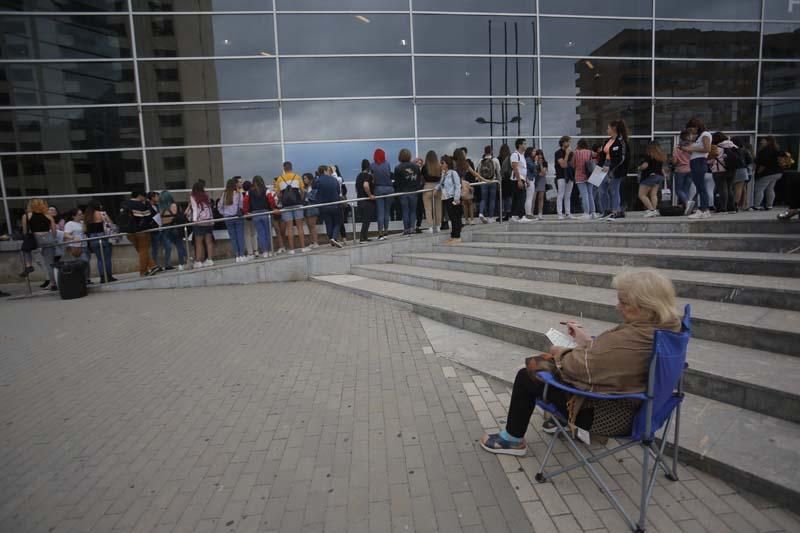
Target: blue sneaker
(495,444)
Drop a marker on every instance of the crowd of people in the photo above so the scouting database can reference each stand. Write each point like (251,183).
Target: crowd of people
(710,172)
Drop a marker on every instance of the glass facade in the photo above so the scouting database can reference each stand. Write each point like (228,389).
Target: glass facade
(98,97)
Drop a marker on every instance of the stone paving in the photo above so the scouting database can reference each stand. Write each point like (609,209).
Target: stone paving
(281,407)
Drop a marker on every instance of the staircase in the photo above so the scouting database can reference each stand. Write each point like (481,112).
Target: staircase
(515,281)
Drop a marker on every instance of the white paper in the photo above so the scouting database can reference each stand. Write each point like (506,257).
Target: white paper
(583,436)
(597,176)
(558,338)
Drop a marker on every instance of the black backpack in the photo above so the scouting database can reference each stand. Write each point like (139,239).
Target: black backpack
(733,159)
(125,220)
(486,168)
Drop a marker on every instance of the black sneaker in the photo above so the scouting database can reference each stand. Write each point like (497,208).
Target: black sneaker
(549,426)
(3,294)
(45,284)
(153,271)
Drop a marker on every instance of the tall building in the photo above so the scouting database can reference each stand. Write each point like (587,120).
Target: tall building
(99,97)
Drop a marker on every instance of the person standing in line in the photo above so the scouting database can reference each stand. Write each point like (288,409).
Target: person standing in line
(652,169)
(489,170)
(432,174)
(723,167)
(420,205)
(365,185)
(382,173)
(38,221)
(565,175)
(202,233)
(519,177)
(96,221)
(584,165)
(533,171)
(74,231)
(698,164)
(615,161)
(681,171)
(538,183)
(277,220)
(231,205)
(329,190)
(407,178)
(504,156)
(250,236)
(333,170)
(170,216)
(768,172)
(259,202)
(139,215)
(311,213)
(292,194)
(450,185)
(742,176)
(156,237)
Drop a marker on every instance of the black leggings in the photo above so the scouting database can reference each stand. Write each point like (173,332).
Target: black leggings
(723,181)
(518,201)
(454,212)
(523,399)
(367,215)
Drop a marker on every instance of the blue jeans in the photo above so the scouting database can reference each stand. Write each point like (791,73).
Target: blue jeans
(170,237)
(699,167)
(587,197)
(609,192)
(94,246)
(488,199)
(409,206)
(236,234)
(683,185)
(263,231)
(383,205)
(333,220)
(156,238)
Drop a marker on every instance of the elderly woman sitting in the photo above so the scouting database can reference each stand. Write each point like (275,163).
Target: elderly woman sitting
(614,362)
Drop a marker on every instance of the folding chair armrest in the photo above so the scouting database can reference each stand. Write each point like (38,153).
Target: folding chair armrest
(548,378)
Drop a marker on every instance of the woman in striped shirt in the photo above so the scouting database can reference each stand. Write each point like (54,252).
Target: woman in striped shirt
(581,157)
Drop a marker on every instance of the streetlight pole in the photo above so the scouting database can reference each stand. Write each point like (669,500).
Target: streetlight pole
(491,102)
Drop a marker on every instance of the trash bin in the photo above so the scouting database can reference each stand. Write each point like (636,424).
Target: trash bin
(71,278)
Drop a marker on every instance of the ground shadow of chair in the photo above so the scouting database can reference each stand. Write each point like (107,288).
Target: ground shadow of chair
(660,402)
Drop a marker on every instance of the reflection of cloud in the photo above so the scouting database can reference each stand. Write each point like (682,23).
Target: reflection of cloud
(348,119)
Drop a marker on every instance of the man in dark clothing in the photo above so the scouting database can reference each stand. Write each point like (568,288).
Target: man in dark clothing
(136,217)
(365,188)
(328,191)
(407,178)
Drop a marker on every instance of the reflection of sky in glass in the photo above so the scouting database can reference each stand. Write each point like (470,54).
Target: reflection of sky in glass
(236,35)
(581,37)
(348,119)
(732,9)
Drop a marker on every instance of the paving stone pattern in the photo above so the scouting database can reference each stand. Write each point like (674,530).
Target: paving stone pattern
(282,407)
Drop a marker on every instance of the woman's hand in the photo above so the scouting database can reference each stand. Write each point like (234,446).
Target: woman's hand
(577,332)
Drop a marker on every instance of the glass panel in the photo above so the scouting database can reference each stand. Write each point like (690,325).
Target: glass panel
(348,119)
(706,39)
(207,79)
(459,117)
(202,5)
(779,117)
(341,5)
(781,10)
(692,9)
(180,169)
(591,117)
(469,34)
(70,129)
(203,35)
(474,146)
(211,124)
(780,79)
(79,173)
(373,33)
(596,37)
(622,8)
(346,76)
(780,41)
(64,37)
(63,5)
(596,77)
(523,7)
(732,115)
(438,76)
(706,78)
(66,83)
(347,156)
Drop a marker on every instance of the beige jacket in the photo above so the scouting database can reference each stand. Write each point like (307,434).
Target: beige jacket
(617,361)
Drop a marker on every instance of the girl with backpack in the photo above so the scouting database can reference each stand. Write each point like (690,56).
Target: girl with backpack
(170,216)
(202,233)
(584,166)
(723,168)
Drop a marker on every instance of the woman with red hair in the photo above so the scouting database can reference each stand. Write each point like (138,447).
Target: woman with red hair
(383,185)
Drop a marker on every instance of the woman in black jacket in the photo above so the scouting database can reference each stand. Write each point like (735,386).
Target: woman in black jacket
(614,158)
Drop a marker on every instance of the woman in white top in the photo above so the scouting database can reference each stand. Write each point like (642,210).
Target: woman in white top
(698,164)
(74,231)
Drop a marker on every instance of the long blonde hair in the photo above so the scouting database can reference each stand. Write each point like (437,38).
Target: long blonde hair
(37,205)
(650,291)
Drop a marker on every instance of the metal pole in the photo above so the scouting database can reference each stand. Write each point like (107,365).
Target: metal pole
(516,66)
(269,232)
(189,256)
(104,275)
(491,92)
(353,212)
(434,225)
(27,275)
(505,75)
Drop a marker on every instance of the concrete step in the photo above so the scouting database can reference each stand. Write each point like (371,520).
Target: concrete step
(746,448)
(740,325)
(763,291)
(729,242)
(637,224)
(726,441)
(762,381)
(755,263)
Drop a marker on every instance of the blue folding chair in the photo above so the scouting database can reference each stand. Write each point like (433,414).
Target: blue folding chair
(663,398)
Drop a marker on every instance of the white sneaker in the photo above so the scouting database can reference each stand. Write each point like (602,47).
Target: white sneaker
(208,263)
(569,216)
(697,215)
(313,245)
(238,259)
(523,220)
(291,252)
(250,257)
(180,268)
(483,218)
(516,219)
(649,213)
(265,255)
(539,217)
(689,207)
(281,250)
(336,243)
(197,264)
(587,216)
(560,217)
(706,214)
(429,230)
(306,249)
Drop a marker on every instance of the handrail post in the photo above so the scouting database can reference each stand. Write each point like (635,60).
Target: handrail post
(269,233)
(27,274)
(353,210)
(499,202)
(104,274)
(189,257)
(434,225)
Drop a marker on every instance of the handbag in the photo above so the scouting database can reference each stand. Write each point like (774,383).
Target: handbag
(29,243)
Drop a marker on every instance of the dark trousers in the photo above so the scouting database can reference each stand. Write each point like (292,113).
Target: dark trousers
(367,215)
(517,201)
(523,399)
(454,212)
(420,211)
(333,220)
(723,181)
